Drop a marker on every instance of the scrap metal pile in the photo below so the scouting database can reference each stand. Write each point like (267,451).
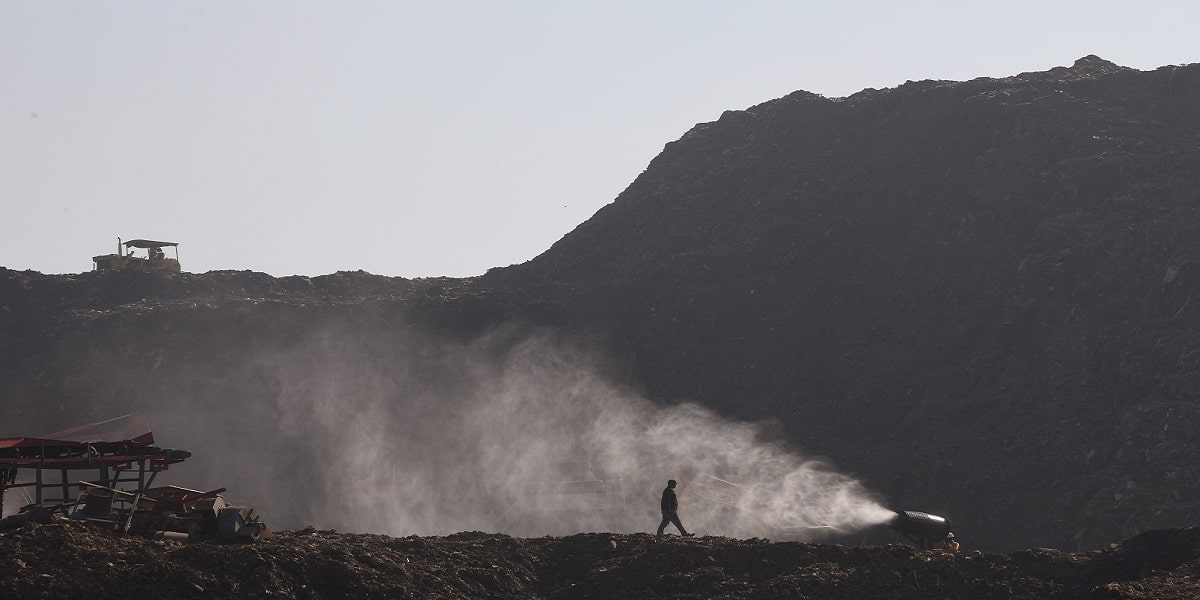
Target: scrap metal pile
(78,474)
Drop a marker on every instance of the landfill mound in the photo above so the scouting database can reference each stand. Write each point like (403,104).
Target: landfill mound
(69,559)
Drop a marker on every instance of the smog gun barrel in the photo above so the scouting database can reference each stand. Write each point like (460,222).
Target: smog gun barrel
(921,528)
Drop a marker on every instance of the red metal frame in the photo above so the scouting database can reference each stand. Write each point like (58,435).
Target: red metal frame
(113,461)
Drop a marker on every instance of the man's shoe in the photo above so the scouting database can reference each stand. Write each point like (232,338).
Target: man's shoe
(689,535)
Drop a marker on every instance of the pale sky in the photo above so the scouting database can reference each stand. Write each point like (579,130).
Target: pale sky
(440,138)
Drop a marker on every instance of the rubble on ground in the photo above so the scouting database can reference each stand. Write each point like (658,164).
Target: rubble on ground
(57,558)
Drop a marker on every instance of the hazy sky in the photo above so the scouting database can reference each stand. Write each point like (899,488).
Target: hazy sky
(440,138)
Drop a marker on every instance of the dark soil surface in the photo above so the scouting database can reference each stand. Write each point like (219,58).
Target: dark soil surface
(69,559)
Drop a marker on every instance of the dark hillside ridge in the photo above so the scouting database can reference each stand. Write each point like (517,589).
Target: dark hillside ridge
(979,297)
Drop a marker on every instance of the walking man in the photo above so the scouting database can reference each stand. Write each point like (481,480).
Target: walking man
(670,511)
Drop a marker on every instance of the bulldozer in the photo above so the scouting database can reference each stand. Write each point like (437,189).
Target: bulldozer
(125,259)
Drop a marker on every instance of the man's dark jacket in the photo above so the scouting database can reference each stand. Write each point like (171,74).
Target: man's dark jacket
(670,504)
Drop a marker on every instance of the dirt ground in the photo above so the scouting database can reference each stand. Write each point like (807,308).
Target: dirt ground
(69,559)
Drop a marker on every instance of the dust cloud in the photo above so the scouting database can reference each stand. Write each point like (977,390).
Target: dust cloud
(522,437)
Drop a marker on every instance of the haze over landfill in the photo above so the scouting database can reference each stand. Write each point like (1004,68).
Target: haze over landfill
(972,298)
(817,264)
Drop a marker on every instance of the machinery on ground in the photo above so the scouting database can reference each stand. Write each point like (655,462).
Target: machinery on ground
(125,259)
(923,529)
(77,474)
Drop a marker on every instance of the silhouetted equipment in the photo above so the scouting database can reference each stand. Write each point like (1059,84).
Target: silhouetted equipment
(52,473)
(923,529)
(154,260)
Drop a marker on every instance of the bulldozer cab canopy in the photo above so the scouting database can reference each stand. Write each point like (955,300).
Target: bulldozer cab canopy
(148,244)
